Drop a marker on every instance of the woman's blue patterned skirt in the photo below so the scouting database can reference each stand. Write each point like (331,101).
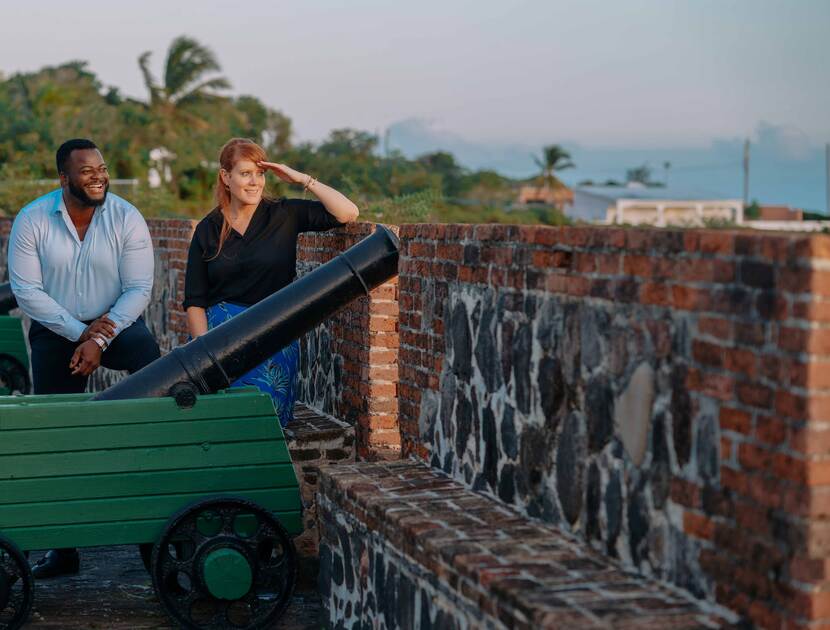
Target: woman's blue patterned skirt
(277,376)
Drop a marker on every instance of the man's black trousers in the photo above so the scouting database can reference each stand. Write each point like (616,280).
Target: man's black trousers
(131,350)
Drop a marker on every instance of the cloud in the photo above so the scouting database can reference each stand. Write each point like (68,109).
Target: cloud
(785,141)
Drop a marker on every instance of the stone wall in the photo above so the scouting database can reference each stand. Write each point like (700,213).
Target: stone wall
(660,393)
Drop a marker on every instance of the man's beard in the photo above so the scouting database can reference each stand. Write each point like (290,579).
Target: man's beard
(80,194)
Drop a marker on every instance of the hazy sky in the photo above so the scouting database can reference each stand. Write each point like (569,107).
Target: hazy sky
(613,73)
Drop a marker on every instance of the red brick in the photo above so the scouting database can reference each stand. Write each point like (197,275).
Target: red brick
(654,294)
(771,430)
(722,243)
(735,420)
(698,525)
(755,394)
(754,457)
(708,354)
(735,480)
(810,441)
(715,327)
(718,386)
(812,310)
(690,298)
(741,361)
(685,493)
(634,265)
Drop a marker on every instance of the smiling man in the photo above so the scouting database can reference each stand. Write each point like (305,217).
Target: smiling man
(81,267)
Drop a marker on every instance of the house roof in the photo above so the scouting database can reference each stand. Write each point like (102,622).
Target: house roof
(633,191)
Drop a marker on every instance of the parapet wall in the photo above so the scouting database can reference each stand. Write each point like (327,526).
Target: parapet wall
(661,393)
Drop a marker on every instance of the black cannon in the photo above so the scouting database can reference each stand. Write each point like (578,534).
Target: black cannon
(216,359)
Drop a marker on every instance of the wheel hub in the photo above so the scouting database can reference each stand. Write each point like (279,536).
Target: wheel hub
(227,573)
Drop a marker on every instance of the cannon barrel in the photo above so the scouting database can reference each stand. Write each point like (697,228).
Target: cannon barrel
(216,359)
(7,299)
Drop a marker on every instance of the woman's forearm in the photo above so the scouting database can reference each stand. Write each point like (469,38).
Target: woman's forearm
(337,204)
(196,321)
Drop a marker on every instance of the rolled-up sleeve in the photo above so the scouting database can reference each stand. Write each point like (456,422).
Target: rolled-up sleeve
(26,278)
(135,268)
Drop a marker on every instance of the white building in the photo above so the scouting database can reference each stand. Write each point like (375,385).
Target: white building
(635,204)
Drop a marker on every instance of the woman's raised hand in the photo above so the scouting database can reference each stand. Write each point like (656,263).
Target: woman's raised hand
(284,172)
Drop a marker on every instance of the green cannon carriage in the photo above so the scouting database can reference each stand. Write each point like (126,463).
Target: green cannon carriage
(210,487)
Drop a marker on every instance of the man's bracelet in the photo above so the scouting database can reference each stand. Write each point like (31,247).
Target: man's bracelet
(100,341)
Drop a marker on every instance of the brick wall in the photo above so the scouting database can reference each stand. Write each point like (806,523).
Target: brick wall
(355,379)
(661,393)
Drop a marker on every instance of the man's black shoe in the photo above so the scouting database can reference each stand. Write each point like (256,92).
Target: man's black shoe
(57,562)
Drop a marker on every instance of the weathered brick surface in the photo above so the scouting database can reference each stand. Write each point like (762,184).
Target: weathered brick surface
(519,343)
(315,440)
(404,545)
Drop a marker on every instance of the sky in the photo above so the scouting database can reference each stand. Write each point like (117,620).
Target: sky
(610,79)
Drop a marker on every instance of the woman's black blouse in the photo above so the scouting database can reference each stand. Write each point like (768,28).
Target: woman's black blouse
(250,267)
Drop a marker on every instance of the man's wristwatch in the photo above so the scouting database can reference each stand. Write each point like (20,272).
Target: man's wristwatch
(102,343)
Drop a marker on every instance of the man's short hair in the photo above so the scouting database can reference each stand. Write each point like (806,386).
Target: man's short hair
(66,149)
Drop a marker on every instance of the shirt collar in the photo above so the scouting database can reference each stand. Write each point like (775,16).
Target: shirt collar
(60,204)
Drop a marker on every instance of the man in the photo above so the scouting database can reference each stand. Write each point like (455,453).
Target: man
(81,267)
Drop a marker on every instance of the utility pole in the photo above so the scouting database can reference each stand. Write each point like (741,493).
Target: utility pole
(827,173)
(746,172)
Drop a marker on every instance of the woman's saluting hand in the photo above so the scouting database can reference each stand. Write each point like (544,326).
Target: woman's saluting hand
(337,204)
(284,172)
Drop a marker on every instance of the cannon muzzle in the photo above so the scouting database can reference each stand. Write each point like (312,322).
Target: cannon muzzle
(220,356)
(7,299)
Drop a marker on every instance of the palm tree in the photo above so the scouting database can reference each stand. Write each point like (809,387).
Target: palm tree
(554,158)
(187,82)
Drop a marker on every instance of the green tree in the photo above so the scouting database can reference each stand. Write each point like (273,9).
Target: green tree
(188,83)
(639,175)
(554,158)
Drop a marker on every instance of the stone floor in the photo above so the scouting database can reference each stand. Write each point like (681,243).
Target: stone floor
(114,592)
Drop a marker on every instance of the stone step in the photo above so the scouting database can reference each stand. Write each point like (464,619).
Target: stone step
(315,440)
(403,545)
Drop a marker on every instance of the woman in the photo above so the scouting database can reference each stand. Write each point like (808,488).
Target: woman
(245,249)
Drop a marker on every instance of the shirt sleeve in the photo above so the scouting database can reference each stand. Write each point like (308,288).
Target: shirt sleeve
(26,278)
(312,215)
(196,276)
(135,268)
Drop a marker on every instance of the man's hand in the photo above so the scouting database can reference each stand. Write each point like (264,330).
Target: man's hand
(101,326)
(86,359)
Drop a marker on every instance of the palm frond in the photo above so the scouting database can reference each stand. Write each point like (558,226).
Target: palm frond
(203,91)
(149,80)
(187,63)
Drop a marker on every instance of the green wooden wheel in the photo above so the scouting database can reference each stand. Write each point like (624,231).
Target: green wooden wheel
(224,563)
(17,586)
(14,378)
